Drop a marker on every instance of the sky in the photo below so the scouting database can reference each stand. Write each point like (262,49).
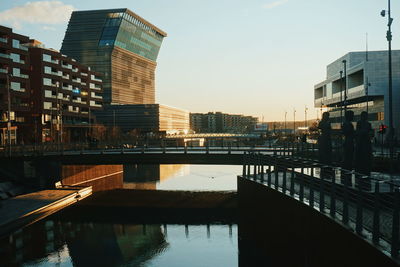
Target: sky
(255,57)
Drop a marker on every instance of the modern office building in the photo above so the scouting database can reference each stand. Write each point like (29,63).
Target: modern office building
(365,85)
(219,122)
(122,46)
(65,94)
(145,118)
(15,91)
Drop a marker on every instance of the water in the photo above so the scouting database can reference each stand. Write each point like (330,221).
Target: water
(62,243)
(182,177)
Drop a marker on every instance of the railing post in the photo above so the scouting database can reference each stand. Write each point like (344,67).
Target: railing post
(276,173)
(255,168)
(284,179)
(248,165)
(345,215)
(311,197)
(301,182)
(333,196)
(292,179)
(269,173)
(395,224)
(359,211)
(376,216)
(321,192)
(244,165)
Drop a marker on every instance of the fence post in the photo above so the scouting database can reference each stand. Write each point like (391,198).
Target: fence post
(301,182)
(345,215)
(321,192)
(284,179)
(333,197)
(269,173)
(292,179)
(276,173)
(311,197)
(395,224)
(244,165)
(376,216)
(359,211)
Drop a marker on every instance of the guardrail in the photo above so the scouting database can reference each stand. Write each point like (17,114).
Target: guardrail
(368,206)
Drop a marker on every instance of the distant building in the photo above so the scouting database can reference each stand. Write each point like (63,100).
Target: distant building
(52,96)
(367,85)
(219,122)
(147,118)
(122,46)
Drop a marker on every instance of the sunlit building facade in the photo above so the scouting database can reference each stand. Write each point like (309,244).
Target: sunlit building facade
(218,122)
(366,81)
(122,46)
(146,118)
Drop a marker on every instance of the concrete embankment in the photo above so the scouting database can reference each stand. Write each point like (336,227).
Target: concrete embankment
(25,209)
(152,206)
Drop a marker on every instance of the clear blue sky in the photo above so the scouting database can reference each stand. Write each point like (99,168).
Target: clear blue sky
(256,57)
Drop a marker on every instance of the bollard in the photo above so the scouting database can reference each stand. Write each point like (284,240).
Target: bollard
(376,216)
(333,197)
(395,224)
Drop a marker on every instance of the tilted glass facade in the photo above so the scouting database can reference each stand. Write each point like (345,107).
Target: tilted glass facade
(127,32)
(122,46)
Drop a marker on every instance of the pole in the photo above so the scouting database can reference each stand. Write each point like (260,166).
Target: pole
(341,97)
(305,117)
(345,85)
(285,121)
(8,115)
(391,129)
(294,122)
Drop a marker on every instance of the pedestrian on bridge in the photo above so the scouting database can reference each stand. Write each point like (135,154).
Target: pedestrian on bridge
(324,140)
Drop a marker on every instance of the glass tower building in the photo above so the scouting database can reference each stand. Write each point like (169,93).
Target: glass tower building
(122,46)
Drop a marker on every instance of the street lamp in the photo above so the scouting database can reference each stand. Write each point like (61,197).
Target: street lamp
(389,39)
(305,116)
(341,97)
(294,122)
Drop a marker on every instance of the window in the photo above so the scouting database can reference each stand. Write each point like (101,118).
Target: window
(16,72)
(15,43)
(15,57)
(47,105)
(47,81)
(46,58)
(15,86)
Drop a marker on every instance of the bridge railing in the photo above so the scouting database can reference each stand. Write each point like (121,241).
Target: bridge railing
(116,147)
(368,206)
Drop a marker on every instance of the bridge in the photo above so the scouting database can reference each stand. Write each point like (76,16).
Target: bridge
(362,205)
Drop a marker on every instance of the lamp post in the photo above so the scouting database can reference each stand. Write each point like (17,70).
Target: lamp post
(285,122)
(389,39)
(305,116)
(341,97)
(345,84)
(294,122)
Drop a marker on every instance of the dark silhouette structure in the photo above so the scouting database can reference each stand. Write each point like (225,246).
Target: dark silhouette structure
(363,150)
(348,146)
(324,140)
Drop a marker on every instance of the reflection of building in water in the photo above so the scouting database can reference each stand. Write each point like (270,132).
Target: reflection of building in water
(87,244)
(100,177)
(146,176)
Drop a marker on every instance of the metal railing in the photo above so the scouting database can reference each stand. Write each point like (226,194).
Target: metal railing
(368,206)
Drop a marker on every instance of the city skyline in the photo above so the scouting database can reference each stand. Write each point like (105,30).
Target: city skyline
(260,58)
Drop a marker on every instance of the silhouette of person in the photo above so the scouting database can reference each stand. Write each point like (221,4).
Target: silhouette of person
(348,146)
(324,140)
(363,150)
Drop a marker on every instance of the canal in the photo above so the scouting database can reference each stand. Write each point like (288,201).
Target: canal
(69,239)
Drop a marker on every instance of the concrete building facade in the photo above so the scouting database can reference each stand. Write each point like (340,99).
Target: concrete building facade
(366,85)
(122,46)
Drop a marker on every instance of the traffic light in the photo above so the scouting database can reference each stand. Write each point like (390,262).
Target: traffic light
(382,129)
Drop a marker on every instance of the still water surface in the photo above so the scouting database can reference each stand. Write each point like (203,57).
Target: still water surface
(60,243)
(182,177)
